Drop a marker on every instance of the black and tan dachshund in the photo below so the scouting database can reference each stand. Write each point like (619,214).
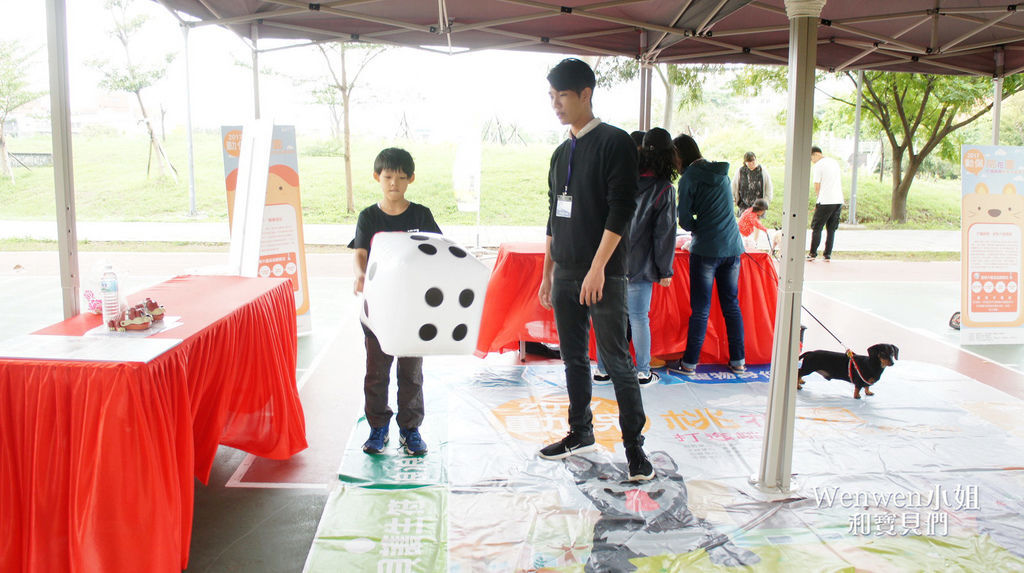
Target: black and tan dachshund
(862,371)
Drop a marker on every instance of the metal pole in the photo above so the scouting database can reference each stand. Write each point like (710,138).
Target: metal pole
(777,453)
(856,149)
(997,87)
(643,119)
(997,106)
(188,129)
(648,85)
(63,164)
(255,71)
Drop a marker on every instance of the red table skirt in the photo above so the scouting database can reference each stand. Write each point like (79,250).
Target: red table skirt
(97,458)
(513,313)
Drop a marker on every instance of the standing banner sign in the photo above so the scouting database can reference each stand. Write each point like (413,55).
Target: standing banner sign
(282,251)
(991,256)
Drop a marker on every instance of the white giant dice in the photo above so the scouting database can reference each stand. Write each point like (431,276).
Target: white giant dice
(423,294)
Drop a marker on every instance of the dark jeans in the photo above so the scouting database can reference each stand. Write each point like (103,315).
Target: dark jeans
(573,323)
(375,386)
(725,273)
(824,216)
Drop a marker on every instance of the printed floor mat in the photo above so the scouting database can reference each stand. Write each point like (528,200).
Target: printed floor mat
(927,474)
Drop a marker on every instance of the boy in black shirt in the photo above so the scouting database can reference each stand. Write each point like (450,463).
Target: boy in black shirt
(394,170)
(592,195)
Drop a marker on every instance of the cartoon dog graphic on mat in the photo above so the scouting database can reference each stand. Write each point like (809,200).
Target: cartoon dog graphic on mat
(652,518)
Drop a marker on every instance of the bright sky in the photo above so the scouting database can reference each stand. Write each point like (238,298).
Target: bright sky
(435,92)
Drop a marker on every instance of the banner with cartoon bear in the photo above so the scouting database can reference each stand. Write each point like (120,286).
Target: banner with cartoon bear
(991,218)
(282,250)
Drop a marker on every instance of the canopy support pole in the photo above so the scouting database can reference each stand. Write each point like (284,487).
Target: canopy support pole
(856,148)
(63,166)
(255,71)
(997,94)
(188,130)
(777,452)
(644,123)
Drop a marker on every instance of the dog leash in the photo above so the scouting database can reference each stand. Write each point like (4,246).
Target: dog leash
(852,366)
(849,353)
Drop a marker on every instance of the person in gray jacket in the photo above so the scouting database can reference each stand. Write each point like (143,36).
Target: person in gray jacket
(652,245)
(705,209)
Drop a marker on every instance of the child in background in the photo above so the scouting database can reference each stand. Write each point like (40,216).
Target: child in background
(394,170)
(750,224)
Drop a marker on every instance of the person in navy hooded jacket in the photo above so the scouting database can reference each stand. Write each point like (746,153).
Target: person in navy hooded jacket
(705,209)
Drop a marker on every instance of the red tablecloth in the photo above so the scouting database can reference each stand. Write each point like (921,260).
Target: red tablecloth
(513,313)
(97,458)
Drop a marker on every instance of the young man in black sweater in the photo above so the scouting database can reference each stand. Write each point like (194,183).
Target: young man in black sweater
(592,194)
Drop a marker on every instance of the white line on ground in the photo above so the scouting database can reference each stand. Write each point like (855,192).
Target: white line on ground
(931,336)
(236,478)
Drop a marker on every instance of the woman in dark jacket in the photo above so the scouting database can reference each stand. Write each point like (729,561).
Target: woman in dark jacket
(652,243)
(705,209)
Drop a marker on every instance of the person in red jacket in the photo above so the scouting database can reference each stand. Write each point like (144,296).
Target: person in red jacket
(750,223)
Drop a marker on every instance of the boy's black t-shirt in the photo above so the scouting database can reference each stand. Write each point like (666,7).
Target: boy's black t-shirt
(373,220)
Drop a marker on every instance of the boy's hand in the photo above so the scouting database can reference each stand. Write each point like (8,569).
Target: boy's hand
(357,287)
(593,287)
(665,282)
(544,294)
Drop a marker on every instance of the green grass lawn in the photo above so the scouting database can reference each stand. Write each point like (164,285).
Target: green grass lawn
(111,184)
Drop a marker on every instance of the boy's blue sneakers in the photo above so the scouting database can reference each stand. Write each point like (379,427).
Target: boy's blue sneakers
(413,442)
(377,440)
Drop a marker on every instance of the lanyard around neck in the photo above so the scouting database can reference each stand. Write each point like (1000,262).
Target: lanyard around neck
(568,173)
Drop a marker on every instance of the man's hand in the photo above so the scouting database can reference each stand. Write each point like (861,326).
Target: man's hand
(544,294)
(357,287)
(665,282)
(593,287)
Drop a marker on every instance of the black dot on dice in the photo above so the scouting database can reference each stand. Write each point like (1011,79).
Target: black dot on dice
(428,332)
(366,309)
(428,249)
(466,298)
(419,237)
(457,252)
(434,296)
(460,332)
(373,271)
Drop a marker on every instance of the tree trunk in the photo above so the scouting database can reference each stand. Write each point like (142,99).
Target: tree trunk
(5,167)
(154,141)
(350,203)
(898,202)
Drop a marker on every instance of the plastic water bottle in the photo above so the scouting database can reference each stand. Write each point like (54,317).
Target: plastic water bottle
(110,295)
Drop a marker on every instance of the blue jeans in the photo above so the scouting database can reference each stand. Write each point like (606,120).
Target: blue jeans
(572,320)
(638,302)
(704,272)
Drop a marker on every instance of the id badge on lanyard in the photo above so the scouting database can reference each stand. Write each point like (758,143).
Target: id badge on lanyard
(563,203)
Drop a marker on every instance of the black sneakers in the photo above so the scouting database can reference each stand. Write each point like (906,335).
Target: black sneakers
(571,444)
(640,468)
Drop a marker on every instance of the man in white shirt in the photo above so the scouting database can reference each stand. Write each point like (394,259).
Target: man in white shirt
(829,191)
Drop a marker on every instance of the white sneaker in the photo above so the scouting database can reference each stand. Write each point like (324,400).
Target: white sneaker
(647,380)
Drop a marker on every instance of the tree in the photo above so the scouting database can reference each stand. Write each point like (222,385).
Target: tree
(341,85)
(133,76)
(614,71)
(917,113)
(14,91)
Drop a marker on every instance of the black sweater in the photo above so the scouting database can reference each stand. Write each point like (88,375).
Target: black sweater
(603,187)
